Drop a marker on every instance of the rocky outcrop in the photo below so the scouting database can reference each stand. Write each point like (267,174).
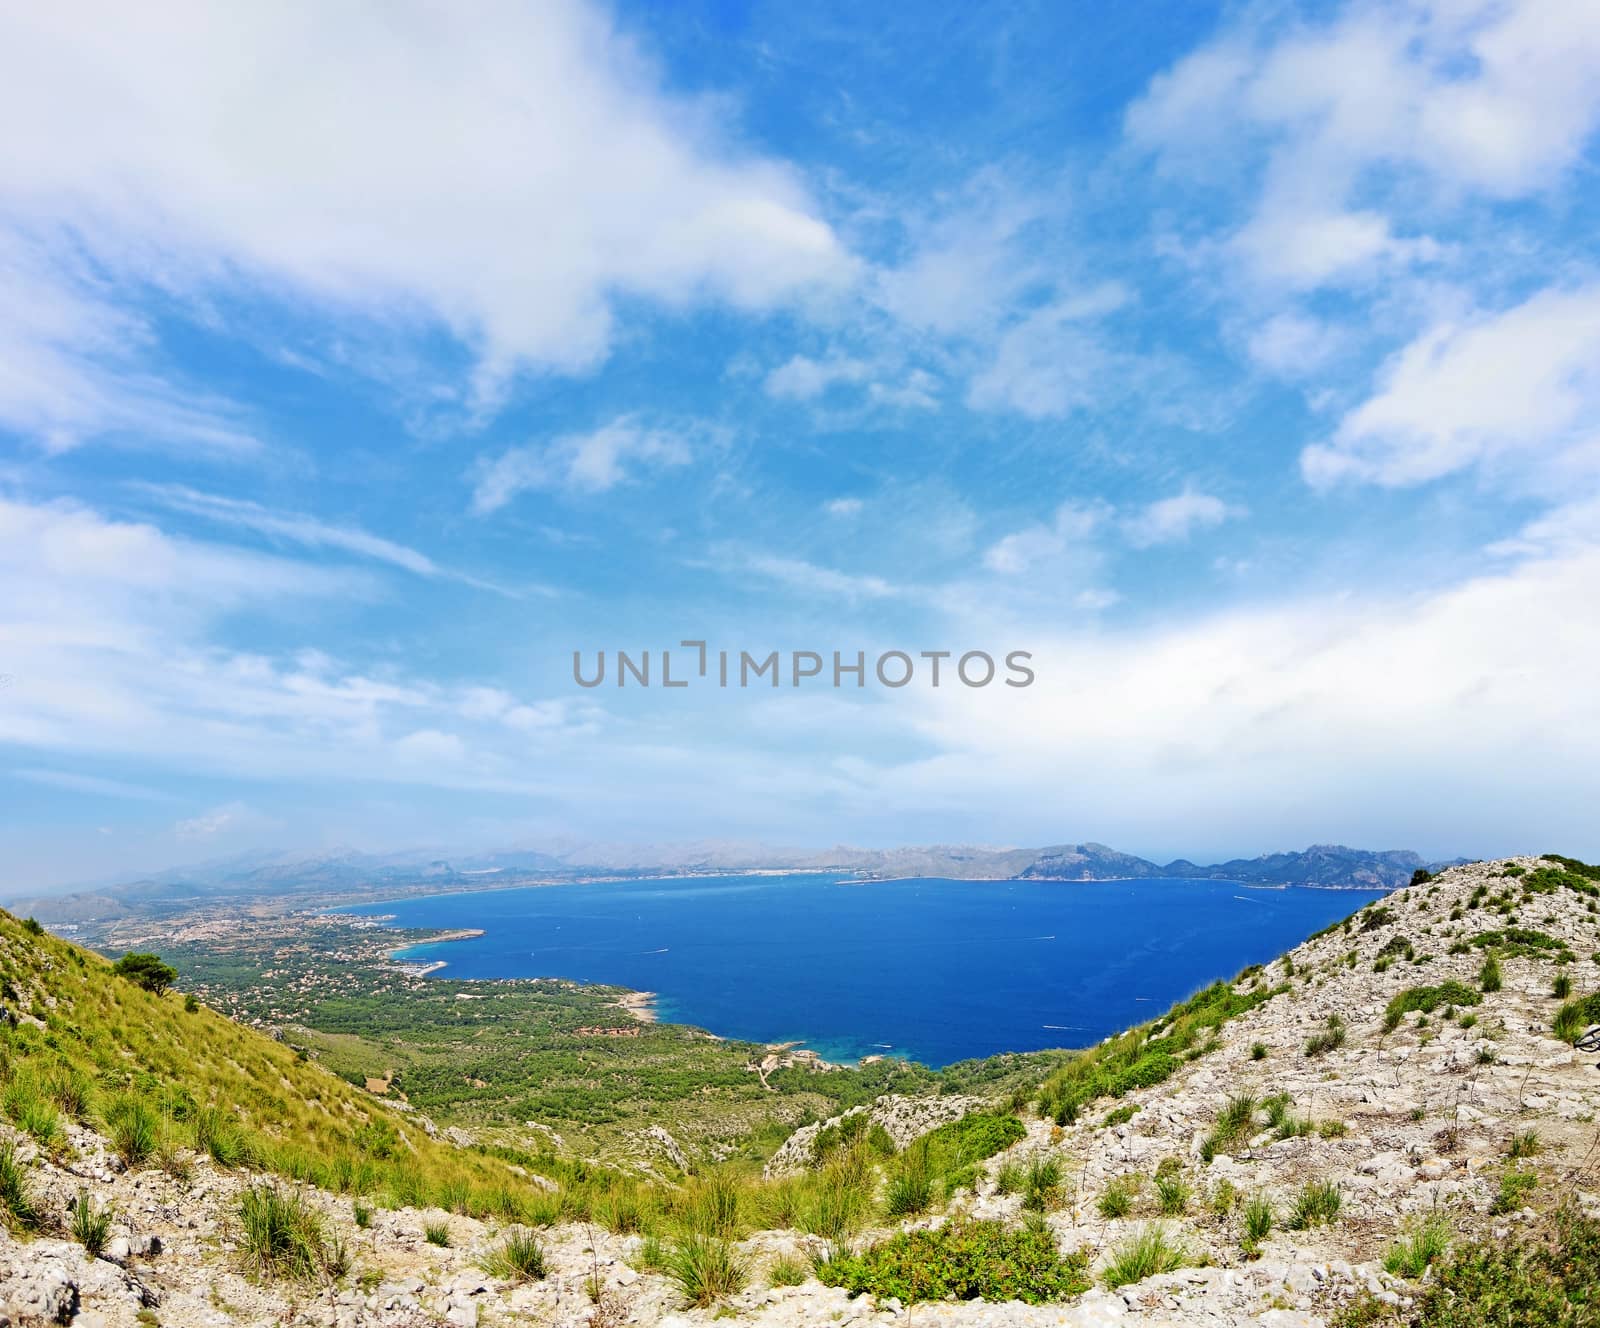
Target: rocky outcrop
(903,1119)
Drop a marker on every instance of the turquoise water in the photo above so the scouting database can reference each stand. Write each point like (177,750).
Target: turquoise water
(937,971)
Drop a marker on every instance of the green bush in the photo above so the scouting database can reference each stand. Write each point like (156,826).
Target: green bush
(1489,975)
(1317,1204)
(1413,1254)
(518,1258)
(18,1209)
(962,1260)
(1427,1000)
(89,1223)
(1145,1254)
(706,1270)
(283,1236)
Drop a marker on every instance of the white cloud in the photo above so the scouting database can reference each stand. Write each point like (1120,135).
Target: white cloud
(804,379)
(810,579)
(210,824)
(1294,345)
(1270,723)
(111,632)
(843,507)
(297,528)
(1049,363)
(71,365)
(96,786)
(1071,529)
(1497,97)
(509,172)
(1173,520)
(1519,386)
(576,463)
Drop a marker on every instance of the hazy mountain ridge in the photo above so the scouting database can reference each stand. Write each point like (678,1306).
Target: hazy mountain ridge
(345,870)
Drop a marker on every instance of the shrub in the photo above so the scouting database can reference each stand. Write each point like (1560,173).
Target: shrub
(962,1260)
(1561,987)
(220,1135)
(283,1235)
(1258,1051)
(1412,1255)
(1041,1183)
(1172,1195)
(18,1209)
(706,1270)
(1258,1217)
(89,1223)
(361,1214)
(1116,1200)
(134,1127)
(1515,1187)
(1149,1252)
(518,1258)
(1427,1000)
(1236,1118)
(1333,1129)
(909,1192)
(785,1271)
(1330,1039)
(1489,975)
(1317,1203)
(1525,1144)
(146,970)
(1121,1115)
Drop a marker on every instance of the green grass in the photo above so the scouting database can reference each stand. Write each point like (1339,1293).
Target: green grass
(1149,1054)
(1148,1252)
(1116,1200)
(1258,1219)
(18,1208)
(520,1257)
(89,1223)
(1489,978)
(706,1270)
(1575,1016)
(786,1271)
(1172,1195)
(1041,1183)
(1413,1254)
(1525,1143)
(282,1236)
(1316,1205)
(437,1233)
(962,1260)
(1514,1189)
(909,1192)
(1427,1000)
(1330,1038)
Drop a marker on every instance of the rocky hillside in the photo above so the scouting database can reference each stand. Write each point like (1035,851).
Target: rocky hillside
(1351,1135)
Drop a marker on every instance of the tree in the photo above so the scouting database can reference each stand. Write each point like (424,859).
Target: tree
(148,970)
(1421,876)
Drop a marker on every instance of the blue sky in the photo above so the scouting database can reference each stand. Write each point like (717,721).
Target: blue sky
(1241,363)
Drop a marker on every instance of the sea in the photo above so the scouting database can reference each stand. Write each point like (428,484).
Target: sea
(930,970)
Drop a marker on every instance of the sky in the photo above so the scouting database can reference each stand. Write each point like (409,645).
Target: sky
(359,365)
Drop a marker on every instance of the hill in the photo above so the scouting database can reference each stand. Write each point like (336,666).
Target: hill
(1388,1125)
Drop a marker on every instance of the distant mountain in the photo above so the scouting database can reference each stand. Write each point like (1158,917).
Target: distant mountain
(349,871)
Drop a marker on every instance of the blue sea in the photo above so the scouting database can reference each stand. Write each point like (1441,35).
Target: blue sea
(933,970)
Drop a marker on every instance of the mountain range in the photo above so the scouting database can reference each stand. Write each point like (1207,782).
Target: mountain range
(351,871)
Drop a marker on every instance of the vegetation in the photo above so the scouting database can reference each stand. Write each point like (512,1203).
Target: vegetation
(146,970)
(282,1236)
(706,1270)
(518,1258)
(1550,1277)
(1413,1254)
(962,1260)
(1317,1204)
(89,1223)
(1149,1251)
(1427,1000)
(1150,1053)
